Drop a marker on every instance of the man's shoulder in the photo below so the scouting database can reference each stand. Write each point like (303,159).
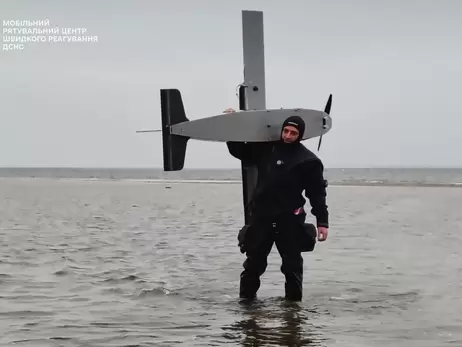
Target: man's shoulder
(306,154)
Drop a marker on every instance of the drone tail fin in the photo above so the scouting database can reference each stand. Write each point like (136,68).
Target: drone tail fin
(174,146)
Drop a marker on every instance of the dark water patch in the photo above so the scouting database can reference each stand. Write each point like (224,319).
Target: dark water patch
(124,279)
(26,314)
(63,272)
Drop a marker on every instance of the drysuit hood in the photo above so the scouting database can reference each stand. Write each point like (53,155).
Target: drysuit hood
(296,122)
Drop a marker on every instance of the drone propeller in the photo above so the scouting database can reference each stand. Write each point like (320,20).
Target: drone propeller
(326,110)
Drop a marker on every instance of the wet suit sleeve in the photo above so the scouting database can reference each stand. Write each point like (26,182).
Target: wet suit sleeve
(315,190)
(250,153)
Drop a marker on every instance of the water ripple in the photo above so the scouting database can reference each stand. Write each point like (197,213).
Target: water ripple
(132,264)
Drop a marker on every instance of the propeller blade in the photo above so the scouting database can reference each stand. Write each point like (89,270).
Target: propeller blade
(326,110)
(320,140)
(328,105)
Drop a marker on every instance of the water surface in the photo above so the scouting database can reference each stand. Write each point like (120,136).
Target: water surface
(123,263)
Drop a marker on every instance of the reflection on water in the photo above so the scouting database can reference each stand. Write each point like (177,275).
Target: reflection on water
(274,323)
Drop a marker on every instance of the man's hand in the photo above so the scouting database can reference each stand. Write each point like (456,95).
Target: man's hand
(322,233)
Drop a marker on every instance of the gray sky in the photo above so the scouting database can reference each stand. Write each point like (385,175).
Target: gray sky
(394,69)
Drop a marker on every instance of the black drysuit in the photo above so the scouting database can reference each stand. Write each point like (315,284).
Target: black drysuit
(284,172)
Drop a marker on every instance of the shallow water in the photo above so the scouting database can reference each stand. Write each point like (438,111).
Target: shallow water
(91,263)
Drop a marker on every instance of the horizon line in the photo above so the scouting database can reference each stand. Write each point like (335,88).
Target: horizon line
(218,168)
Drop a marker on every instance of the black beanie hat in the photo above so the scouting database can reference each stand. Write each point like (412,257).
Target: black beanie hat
(296,122)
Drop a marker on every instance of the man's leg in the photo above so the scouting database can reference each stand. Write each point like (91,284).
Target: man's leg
(292,260)
(255,264)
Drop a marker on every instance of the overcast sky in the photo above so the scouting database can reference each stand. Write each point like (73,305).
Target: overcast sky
(394,69)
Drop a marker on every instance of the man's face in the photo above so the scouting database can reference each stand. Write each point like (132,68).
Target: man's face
(289,134)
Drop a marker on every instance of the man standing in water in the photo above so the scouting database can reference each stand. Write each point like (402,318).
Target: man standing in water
(286,168)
